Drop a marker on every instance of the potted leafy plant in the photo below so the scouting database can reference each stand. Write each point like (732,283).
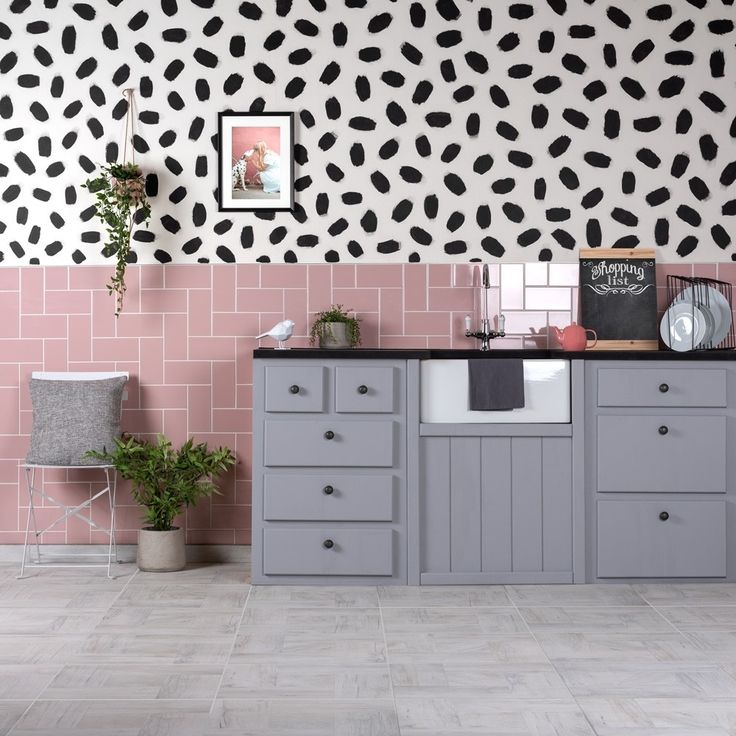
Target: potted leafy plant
(120,191)
(335,328)
(165,481)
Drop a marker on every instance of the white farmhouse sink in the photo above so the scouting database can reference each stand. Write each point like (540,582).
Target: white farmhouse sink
(444,394)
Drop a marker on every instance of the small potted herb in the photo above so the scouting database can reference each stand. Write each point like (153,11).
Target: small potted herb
(120,191)
(165,481)
(335,328)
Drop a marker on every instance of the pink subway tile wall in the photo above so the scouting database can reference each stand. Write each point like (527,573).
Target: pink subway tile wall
(187,334)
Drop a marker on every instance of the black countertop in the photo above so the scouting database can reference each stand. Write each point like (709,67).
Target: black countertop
(444,354)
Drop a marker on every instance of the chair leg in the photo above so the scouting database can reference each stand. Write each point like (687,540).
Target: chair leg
(112,547)
(30,484)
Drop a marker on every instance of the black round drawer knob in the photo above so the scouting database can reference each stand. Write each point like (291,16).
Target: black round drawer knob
(329,435)
(328,490)
(663,516)
(294,389)
(362,389)
(664,388)
(328,544)
(663,429)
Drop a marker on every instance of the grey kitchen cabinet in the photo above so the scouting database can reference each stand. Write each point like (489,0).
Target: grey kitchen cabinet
(329,471)
(659,470)
(496,508)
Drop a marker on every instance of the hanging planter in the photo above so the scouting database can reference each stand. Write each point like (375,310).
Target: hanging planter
(120,193)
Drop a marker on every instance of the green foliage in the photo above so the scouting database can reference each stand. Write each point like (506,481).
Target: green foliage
(336,313)
(166,480)
(120,194)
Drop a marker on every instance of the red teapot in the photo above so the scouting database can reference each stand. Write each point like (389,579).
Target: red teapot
(573,337)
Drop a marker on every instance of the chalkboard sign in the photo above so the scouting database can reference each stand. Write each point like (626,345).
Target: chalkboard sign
(618,298)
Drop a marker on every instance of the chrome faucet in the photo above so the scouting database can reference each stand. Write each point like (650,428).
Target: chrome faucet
(485,334)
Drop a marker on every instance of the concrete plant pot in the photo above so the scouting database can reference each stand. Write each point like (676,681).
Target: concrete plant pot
(161,551)
(334,335)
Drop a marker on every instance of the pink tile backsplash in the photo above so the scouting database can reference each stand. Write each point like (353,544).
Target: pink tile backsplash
(187,334)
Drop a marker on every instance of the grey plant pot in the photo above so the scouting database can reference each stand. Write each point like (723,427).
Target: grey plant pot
(334,335)
(161,551)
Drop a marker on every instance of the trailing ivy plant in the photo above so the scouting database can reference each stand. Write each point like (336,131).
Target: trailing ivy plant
(336,313)
(166,480)
(120,191)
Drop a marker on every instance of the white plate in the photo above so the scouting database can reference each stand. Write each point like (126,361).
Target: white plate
(721,312)
(683,326)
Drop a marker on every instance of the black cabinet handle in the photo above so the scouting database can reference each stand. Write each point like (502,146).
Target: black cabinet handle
(663,430)
(328,544)
(328,490)
(362,389)
(664,388)
(663,516)
(294,389)
(329,435)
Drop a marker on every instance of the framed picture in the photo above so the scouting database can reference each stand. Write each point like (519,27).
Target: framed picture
(255,161)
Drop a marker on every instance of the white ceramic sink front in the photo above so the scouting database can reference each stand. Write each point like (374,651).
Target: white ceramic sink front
(444,394)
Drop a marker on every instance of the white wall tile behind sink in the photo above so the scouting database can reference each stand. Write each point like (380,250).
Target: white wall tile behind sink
(444,394)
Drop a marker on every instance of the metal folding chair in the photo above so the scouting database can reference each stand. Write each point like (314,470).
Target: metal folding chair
(83,511)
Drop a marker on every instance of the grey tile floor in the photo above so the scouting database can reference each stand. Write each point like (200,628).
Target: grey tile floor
(201,652)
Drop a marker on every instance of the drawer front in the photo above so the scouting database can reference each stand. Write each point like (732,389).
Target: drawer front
(367,444)
(295,388)
(328,551)
(661,387)
(328,497)
(636,456)
(634,542)
(365,389)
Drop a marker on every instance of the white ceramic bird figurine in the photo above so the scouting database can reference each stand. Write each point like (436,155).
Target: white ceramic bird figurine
(281,332)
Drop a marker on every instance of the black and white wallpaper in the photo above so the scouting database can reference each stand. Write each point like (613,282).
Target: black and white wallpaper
(436,130)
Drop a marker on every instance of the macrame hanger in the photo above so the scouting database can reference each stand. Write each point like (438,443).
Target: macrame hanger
(129,95)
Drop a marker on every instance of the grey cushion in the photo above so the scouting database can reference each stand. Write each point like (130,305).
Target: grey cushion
(72,417)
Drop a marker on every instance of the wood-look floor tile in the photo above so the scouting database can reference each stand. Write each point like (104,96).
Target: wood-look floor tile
(167,621)
(462,715)
(470,620)
(12,710)
(349,621)
(35,649)
(185,595)
(614,619)
(451,646)
(619,648)
(61,621)
(645,680)
(423,678)
(305,596)
(700,618)
(25,682)
(227,573)
(660,716)
(685,594)
(455,596)
(300,679)
(27,594)
(293,717)
(715,646)
(114,718)
(575,595)
(133,682)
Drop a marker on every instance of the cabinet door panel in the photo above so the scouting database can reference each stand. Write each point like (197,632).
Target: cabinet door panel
(634,541)
(365,389)
(526,503)
(496,503)
(465,519)
(295,388)
(661,454)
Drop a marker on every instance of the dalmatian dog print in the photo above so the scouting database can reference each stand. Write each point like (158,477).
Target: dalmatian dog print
(427,130)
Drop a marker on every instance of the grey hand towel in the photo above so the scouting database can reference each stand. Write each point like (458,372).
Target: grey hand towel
(495,384)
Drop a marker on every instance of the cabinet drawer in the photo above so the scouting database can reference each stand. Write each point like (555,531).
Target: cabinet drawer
(306,552)
(634,542)
(661,387)
(366,443)
(295,388)
(328,497)
(365,389)
(662,454)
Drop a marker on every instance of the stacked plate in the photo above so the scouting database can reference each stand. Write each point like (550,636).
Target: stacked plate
(689,322)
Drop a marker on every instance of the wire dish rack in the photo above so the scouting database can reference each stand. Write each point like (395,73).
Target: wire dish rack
(699,316)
